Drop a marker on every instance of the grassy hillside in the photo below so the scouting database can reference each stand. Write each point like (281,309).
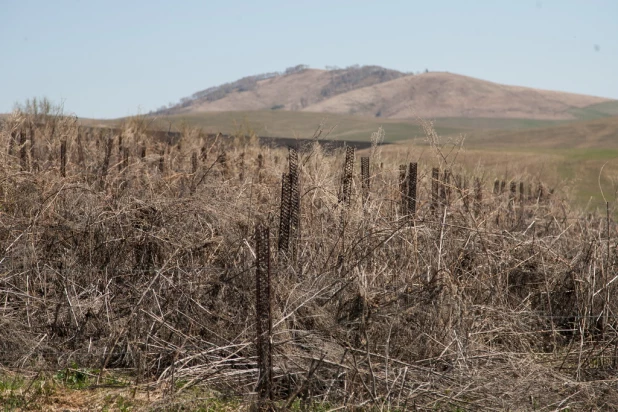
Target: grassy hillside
(597,111)
(303,124)
(599,134)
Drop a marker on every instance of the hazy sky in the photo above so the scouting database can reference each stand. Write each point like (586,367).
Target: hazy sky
(116,58)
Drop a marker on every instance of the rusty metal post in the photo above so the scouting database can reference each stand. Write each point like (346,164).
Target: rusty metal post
(403,190)
(284,216)
(412,193)
(63,158)
(365,180)
(294,202)
(345,196)
(263,316)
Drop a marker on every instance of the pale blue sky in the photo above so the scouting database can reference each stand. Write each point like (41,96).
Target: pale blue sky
(116,58)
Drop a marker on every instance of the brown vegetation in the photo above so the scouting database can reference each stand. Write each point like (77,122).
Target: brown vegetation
(140,257)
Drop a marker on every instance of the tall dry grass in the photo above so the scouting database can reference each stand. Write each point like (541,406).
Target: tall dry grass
(141,259)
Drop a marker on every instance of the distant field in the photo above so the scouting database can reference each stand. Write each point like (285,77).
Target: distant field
(597,111)
(594,134)
(564,153)
(303,124)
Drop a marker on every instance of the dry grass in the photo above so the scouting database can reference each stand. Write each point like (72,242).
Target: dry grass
(144,265)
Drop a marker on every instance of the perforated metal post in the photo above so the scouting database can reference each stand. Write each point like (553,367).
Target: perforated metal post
(120,154)
(294,201)
(12,142)
(403,190)
(365,178)
(345,197)
(412,178)
(263,316)
(23,154)
(125,158)
(284,215)
(348,172)
(63,158)
(521,192)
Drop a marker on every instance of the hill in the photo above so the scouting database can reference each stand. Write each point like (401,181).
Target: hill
(295,89)
(373,91)
(434,95)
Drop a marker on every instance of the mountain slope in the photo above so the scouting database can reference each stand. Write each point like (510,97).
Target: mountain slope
(296,89)
(432,95)
(598,134)
(372,91)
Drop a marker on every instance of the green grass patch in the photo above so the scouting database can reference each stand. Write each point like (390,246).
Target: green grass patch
(596,111)
(485,123)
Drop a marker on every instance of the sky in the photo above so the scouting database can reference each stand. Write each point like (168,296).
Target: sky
(108,59)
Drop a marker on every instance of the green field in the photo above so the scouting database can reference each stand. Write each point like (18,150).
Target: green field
(304,124)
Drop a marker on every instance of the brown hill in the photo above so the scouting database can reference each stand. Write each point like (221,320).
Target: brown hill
(377,92)
(432,95)
(293,90)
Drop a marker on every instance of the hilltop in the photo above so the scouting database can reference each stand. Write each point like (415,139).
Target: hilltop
(373,91)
